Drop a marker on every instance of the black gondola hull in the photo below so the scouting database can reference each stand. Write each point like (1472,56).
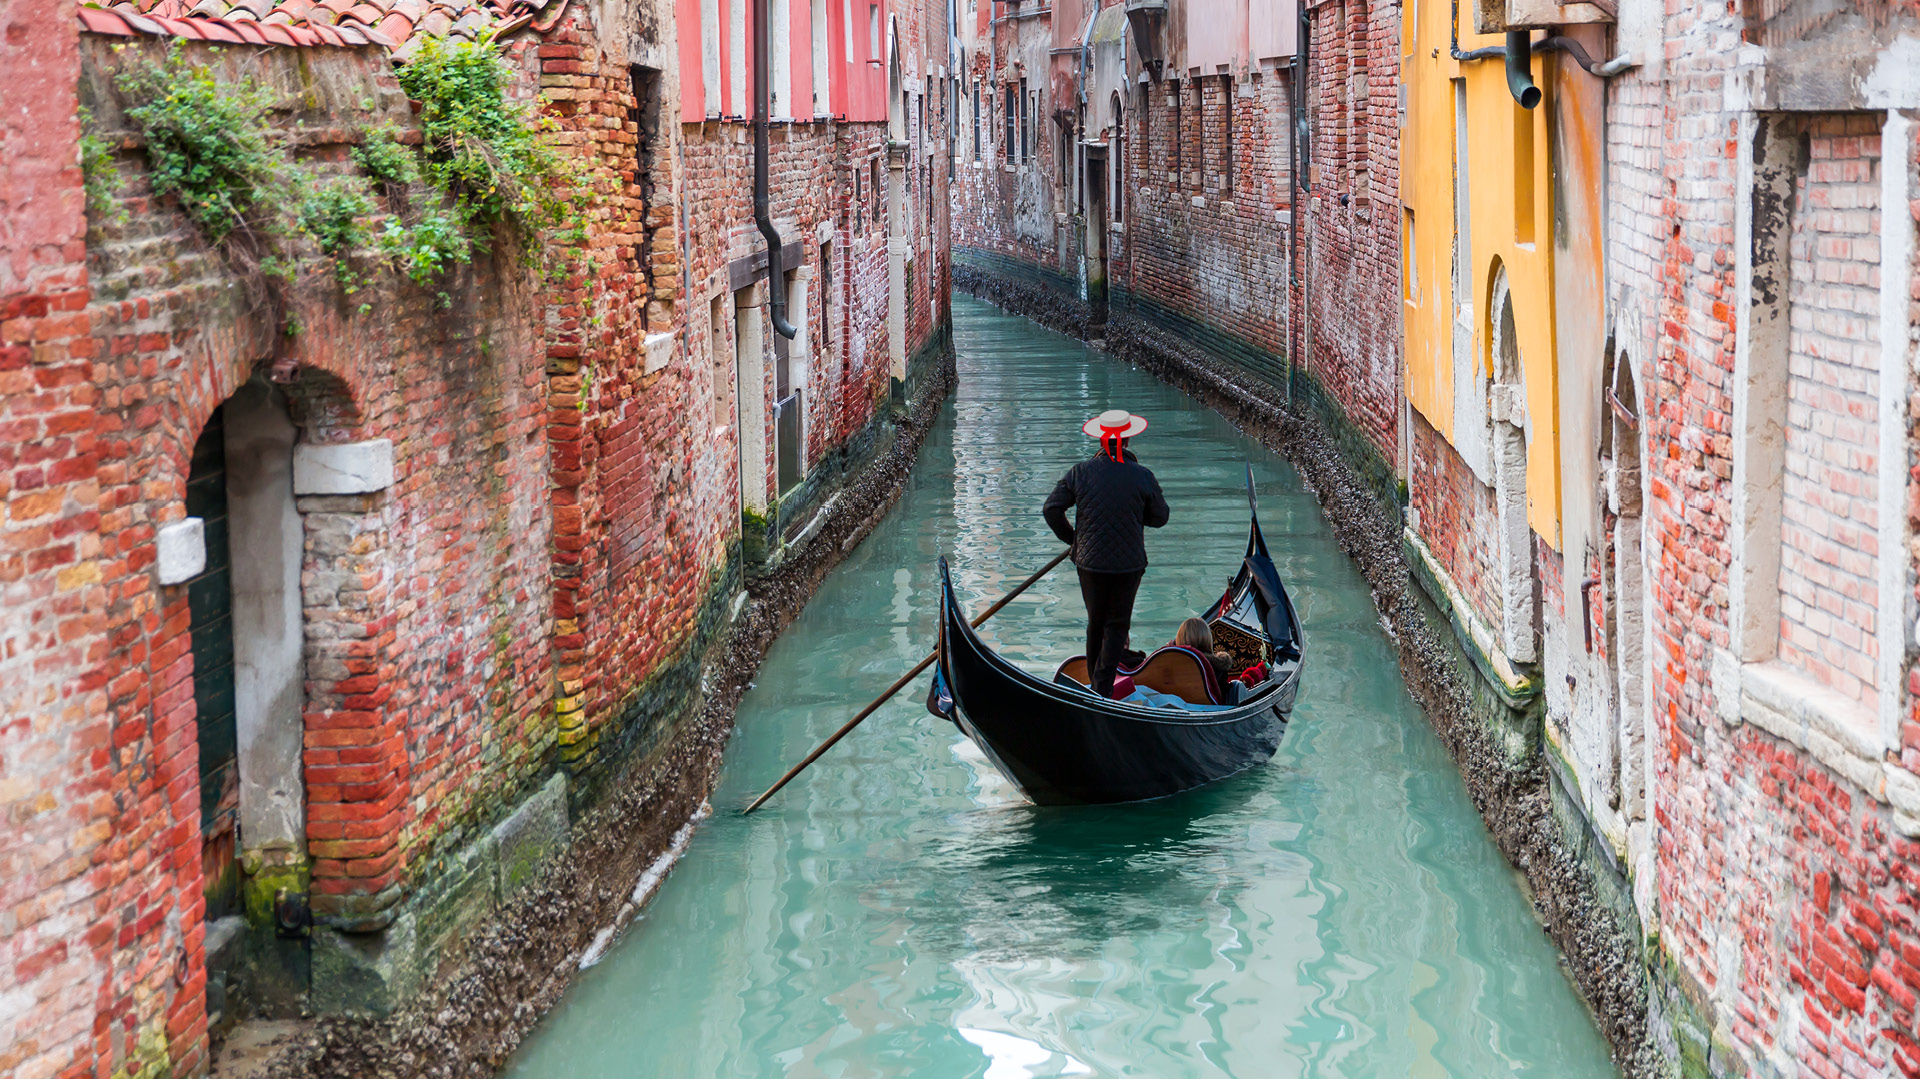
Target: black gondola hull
(1061,744)
(1059,752)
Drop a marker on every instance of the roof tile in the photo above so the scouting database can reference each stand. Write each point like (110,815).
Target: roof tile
(391,24)
(185,28)
(101,21)
(219,30)
(396,27)
(140,22)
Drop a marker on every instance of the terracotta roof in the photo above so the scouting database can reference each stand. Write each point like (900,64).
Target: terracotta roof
(397,25)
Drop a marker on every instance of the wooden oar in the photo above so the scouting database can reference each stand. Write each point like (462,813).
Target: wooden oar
(895,688)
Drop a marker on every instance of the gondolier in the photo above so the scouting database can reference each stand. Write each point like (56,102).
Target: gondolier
(1115,500)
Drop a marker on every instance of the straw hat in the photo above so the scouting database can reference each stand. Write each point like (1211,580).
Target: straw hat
(1115,422)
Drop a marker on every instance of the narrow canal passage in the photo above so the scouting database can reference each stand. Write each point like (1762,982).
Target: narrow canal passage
(898,910)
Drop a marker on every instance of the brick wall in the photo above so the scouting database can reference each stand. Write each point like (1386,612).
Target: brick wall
(425,616)
(1353,237)
(1456,517)
(1195,250)
(560,526)
(58,857)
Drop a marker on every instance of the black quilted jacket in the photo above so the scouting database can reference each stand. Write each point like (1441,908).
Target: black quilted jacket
(1118,501)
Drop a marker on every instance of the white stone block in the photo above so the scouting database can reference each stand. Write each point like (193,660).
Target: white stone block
(357,468)
(659,350)
(183,550)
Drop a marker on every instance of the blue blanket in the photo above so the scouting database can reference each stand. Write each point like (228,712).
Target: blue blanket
(1154,699)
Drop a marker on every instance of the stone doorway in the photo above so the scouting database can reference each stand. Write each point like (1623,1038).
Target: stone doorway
(247,641)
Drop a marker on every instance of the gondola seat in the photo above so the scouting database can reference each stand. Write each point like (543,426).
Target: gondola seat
(1171,669)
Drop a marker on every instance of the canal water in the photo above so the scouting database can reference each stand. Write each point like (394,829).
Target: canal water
(899,910)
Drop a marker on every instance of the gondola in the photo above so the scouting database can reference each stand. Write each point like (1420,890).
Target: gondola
(1060,743)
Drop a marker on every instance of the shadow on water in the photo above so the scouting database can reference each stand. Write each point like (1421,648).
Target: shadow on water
(898,910)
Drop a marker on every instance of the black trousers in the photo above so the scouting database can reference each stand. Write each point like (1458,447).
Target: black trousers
(1109,600)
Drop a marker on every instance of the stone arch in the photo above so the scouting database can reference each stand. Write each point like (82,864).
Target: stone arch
(238,554)
(1625,588)
(1508,437)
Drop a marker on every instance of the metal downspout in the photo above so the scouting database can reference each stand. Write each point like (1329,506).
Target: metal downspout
(1302,46)
(762,93)
(1519,53)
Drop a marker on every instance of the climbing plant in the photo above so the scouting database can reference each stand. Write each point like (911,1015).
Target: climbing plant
(489,154)
(98,177)
(208,144)
(486,160)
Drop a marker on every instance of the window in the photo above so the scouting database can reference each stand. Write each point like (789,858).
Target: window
(1145,112)
(1197,132)
(859,200)
(1410,286)
(1177,132)
(976,121)
(1226,134)
(873,31)
(1012,140)
(1026,123)
(780,76)
(1522,175)
(873,188)
(818,31)
(826,296)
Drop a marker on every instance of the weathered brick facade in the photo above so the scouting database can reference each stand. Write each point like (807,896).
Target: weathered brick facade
(1351,252)
(504,512)
(1762,261)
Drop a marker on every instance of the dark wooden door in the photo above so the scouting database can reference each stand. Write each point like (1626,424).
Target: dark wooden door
(210,602)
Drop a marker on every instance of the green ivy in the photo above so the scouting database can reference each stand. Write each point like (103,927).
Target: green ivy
(208,143)
(483,150)
(98,177)
(487,159)
(334,214)
(383,157)
(429,246)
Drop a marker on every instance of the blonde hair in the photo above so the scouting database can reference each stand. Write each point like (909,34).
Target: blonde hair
(1195,634)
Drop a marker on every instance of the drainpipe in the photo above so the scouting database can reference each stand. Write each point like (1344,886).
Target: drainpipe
(762,92)
(1557,43)
(1519,52)
(1302,142)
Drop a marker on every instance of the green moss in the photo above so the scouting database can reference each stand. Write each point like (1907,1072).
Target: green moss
(257,892)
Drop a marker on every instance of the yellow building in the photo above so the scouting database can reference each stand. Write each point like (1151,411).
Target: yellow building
(1504,313)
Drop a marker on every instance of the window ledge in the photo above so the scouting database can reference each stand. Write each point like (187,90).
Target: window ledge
(1843,735)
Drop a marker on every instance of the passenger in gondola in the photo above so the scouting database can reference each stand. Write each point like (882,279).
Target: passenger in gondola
(1115,500)
(1195,634)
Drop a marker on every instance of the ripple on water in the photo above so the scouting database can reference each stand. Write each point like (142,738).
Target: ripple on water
(899,910)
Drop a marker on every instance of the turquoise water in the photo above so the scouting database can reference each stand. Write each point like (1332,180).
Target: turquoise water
(898,909)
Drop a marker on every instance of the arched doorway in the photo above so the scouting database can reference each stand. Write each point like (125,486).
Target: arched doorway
(1507,418)
(247,639)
